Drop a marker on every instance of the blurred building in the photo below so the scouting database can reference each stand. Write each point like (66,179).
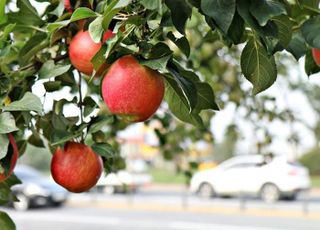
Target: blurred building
(139,142)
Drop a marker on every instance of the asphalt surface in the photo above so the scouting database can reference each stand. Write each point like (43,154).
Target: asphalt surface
(153,210)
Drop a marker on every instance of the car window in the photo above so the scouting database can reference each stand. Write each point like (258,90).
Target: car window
(244,165)
(294,163)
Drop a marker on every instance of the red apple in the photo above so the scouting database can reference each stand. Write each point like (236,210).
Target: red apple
(13,158)
(82,49)
(67,6)
(132,90)
(108,34)
(76,167)
(316,55)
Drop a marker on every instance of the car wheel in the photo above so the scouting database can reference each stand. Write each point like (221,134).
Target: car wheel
(290,197)
(270,193)
(23,204)
(206,190)
(57,204)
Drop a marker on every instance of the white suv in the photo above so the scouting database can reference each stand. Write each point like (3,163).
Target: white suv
(271,178)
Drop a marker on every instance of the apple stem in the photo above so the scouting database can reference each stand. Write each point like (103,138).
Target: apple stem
(80,104)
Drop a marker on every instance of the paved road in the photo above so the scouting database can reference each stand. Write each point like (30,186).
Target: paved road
(155,210)
(93,218)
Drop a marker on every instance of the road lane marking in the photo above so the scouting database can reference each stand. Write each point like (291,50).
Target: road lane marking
(66,218)
(184,225)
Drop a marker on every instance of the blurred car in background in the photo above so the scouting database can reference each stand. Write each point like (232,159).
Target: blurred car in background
(128,180)
(36,190)
(122,181)
(271,178)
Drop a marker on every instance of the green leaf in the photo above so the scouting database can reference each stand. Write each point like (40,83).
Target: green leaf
(190,75)
(103,149)
(221,11)
(96,29)
(82,13)
(158,57)
(157,63)
(3,16)
(32,47)
(186,86)
(236,29)
(309,65)
(109,12)
(206,99)
(6,222)
(310,31)
(257,66)
(59,121)
(178,106)
(4,145)
(99,58)
(297,46)
(27,14)
(36,140)
(114,42)
(7,123)
(52,86)
(29,102)
(5,191)
(58,11)
(180,12)
(57,25)
(151,4)
(122,3)
(59,137)
(284,29)
(268,30)
(49,70)
(182,43)
(107,18)
(7,30)
(89,106)
(159,50)
(99,137)
(66,79)
(99,122)
(264,10)
(195,3)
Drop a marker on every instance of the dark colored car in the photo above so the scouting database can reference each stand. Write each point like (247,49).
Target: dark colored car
(36,190)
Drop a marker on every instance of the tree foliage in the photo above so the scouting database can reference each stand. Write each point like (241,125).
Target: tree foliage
(311,160)
(195,44)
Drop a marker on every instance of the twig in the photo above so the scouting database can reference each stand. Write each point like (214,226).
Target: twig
(311,9)
(80,104)
(59,58)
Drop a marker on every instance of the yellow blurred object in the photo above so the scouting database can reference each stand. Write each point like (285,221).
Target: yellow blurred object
(6,100)
(207,165)
(149,151)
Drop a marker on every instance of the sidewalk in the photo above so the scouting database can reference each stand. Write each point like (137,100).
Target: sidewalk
(174,198)
(194,208)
